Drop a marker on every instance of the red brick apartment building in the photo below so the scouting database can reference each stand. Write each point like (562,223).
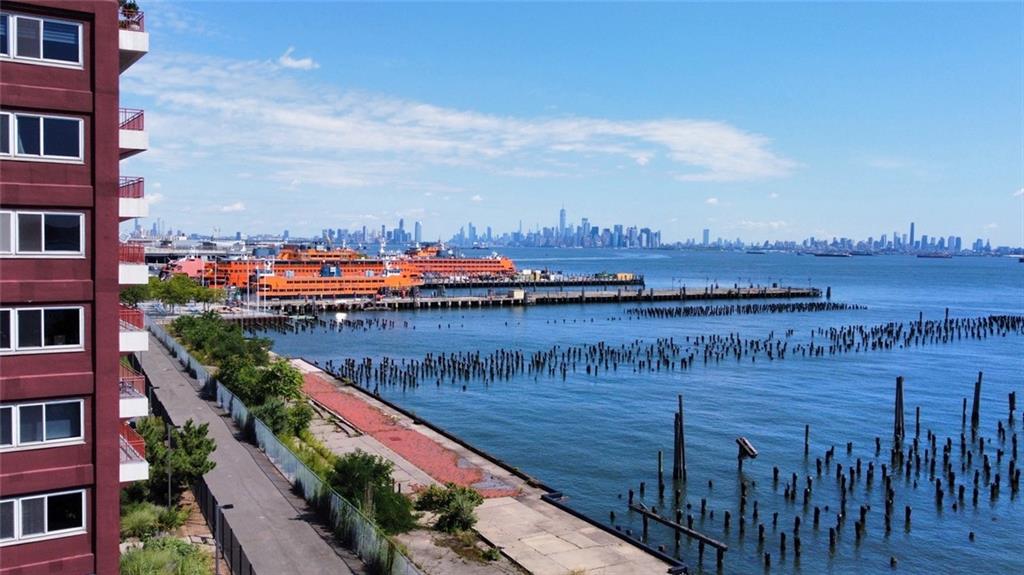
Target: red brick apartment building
(66,445)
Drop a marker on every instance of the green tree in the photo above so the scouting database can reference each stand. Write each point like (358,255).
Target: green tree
(191,450)
(280,379)
(365,480)
(134,294)
(178,290)
(187,459)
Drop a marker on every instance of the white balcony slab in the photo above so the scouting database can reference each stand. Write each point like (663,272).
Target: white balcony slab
(134,471)
(133,45)
(134,341)
(132,274)
(134,406)
(132,208)
(132,142)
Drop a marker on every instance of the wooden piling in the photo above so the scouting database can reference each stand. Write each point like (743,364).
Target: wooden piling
(898,429)
(679,454)
(976,408)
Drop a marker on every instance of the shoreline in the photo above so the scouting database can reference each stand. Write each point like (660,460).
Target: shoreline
(547,495)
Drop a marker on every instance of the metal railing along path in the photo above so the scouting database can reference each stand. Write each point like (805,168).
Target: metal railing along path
(355,530)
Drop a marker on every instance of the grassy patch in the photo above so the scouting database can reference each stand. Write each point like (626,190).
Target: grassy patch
(166,556)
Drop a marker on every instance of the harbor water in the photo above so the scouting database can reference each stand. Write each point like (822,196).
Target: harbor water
(594,437)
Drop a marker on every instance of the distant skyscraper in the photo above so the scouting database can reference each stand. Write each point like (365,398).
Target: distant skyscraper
(561,222)
(707,237)
(285,235)
(418,232)
(911,234)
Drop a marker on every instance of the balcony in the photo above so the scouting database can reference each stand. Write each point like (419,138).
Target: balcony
(133,40)
(132,136)
(131,265)
(131,198)
(134,466)
(133,393)
(133,335)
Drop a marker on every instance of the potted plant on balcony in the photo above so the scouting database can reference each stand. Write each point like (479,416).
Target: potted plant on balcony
(129,11)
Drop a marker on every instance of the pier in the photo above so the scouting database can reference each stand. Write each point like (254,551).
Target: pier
(524,298)
(524,283)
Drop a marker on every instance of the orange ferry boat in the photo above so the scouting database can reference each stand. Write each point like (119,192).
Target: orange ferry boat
(296,272)
(346,283)
(434,261)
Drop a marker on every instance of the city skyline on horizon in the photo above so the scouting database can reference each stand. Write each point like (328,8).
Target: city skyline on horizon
(396,120)
(569,233)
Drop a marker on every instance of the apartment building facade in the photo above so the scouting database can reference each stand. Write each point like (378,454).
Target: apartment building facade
(66,399)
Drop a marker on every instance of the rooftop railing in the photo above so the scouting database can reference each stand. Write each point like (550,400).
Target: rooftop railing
(135,21)
(133,446)
(130,119)
(131,254)
(131,187)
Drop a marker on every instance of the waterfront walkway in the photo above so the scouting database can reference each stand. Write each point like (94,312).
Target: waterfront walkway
(269,523)
(537,535)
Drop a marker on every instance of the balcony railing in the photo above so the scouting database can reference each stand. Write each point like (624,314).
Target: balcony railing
(130,119)
(132,383)
(131,318)
(131,254)
(131,187)
(133,21)
(133,447)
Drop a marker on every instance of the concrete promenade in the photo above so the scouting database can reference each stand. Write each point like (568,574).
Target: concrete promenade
(538,536)
(273,531)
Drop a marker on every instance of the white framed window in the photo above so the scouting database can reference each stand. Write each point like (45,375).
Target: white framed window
(42,329)
(5,37)
(42,234)
(40,424)
(37,40)
(49,138)
(43,516)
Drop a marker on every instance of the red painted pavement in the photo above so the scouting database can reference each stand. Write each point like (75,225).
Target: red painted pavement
(434,459)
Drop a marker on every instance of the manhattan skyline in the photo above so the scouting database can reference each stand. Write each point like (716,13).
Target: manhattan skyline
(759,121)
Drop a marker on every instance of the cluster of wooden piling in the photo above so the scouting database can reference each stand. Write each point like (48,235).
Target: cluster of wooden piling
(661,312)
(909,459)
(858,338)
(315,324)
(664,354)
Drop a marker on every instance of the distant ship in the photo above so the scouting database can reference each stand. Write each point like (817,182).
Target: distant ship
(935,256)
(832,254)
(757,252)
(861,253)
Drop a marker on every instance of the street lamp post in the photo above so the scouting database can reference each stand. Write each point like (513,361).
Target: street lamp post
(219,549)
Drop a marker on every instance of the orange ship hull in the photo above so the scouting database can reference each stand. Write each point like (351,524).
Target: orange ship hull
(354,285)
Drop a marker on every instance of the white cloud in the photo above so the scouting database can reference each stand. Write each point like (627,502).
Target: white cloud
(711,201)
(991,226)
(1019,193)
(287,61)
(476,198)
(235,207)
(153,199)
(240,110)
(758,225)
(773,195)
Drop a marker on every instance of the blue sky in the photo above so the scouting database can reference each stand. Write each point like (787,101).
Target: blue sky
(762,121)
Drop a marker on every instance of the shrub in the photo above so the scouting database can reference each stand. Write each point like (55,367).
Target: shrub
(453,504)
(140,520)
(166,556)
(365,480)
(172,518)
